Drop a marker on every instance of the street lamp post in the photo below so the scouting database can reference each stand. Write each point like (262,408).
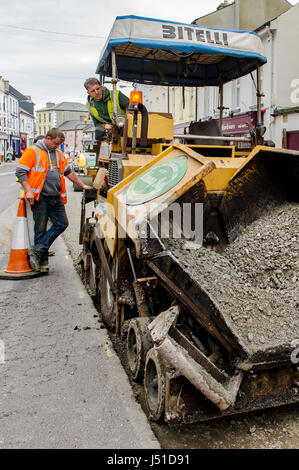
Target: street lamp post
(76,127)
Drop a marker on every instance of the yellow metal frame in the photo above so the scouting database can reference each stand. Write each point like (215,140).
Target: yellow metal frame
(216,181)
(197,168)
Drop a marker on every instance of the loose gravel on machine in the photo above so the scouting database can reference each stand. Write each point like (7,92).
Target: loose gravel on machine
(254,281)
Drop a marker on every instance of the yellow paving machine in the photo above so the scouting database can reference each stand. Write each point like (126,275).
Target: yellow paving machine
(191,250)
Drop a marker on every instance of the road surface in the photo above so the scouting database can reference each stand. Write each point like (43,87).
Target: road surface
(62,385)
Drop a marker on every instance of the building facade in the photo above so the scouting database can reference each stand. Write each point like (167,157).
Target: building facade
(89,134)
(13,123)
(16,110)
(245,15)
(281,79)
(45,119)
(73,132)
(53,115)
(27,129)
(3,117)
(193,104)
(278,34)
(279,83)
(9,119)
(26,120)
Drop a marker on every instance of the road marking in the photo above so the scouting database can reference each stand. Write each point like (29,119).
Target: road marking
(81,295)
(11,207)
(9,173)
(7,221)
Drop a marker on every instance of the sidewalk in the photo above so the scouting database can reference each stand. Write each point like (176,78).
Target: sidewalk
(62,385)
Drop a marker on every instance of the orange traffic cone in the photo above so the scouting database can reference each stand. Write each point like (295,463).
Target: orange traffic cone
(18,266)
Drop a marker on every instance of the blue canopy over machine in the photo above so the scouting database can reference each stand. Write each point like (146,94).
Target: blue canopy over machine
(158,52)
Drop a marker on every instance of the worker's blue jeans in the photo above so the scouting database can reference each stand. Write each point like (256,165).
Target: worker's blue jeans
(47,207)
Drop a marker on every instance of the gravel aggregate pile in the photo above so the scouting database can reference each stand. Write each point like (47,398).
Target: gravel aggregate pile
(267,254)
(254,281)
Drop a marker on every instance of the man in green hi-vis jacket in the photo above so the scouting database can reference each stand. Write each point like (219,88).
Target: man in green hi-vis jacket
(100,104)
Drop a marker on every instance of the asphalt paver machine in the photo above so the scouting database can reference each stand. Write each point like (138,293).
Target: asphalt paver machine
(163,254)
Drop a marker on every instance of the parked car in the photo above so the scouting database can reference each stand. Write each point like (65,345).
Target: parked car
(79,164)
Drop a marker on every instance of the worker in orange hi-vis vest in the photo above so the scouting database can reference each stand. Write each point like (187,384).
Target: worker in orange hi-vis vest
(41,171)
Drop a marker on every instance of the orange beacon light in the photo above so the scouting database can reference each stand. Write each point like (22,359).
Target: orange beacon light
(136,97)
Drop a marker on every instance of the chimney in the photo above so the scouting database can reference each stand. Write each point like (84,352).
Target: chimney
(224,4)
(50,105)
(6,85)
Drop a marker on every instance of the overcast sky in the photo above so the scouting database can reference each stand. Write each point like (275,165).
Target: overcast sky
(52,66)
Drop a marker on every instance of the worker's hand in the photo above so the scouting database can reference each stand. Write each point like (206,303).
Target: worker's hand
(85,186)
(30,197)
(108,129)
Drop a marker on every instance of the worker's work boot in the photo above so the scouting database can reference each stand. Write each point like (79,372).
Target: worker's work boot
(44,267)
(34,260)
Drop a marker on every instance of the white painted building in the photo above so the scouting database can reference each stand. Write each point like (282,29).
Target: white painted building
(27,127)
(3,117)
(157,99)
(17,122)
(13,124)
(9,118)
(144,89)
(280,79)
(280,84)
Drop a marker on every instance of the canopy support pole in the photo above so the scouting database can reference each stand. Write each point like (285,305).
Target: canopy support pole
(259,95)
(221,108)
(114,82)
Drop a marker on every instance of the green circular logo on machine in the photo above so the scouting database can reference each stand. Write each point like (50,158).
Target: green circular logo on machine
(157,180)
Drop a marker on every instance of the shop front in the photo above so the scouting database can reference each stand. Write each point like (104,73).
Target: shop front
(3,144)
(23,142)
(240,124)
(15,143)
(293,140)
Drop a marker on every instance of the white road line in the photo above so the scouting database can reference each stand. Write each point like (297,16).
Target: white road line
(11,207)
(5,174)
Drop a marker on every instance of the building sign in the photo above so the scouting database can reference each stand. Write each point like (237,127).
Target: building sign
(239,124)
